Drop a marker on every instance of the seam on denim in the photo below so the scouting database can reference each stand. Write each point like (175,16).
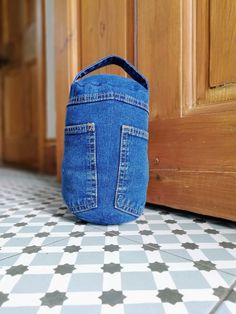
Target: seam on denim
(109,95)
(136,131)
(119,186)
(125,160)
(92,164)
(95,168)
(88,98)
(81,205)
(90,196)
(79,128)
(89,171)
(122,173)
(122,170)
(90,199)
(77,209)
(133,211)
(88,181)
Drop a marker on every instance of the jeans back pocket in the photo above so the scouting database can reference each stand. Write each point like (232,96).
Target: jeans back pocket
(79,173)
(133,171)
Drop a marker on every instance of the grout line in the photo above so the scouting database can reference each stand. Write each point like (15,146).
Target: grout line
(19,253)
(95,227)
(55,241)
(45,245)
(172,254)
(4,258)
(224,297)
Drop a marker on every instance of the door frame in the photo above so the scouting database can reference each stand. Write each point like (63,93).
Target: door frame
(40,97)
(1,118)
(41,81)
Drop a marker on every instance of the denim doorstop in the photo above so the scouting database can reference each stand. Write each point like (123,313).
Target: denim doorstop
(105,163)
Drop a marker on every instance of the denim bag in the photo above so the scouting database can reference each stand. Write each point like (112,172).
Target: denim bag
(105,163)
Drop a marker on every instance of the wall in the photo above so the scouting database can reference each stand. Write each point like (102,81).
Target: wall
(50,72)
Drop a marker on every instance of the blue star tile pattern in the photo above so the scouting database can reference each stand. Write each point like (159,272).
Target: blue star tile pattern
(112,233)
(112,297)
(54,298)
(3,297)
(112,268)
(31,249)
(211,231)
(170,296)
(17,270)
(7,235)
(64,269)
(151,246)
(77,234)
(72,248)
(228,245)
(42,234)
(190,246)
(111,248)
(167,261)
(145,232)
(204,265)
(159,267)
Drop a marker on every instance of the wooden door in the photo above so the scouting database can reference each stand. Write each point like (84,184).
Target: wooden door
(19,83)
(86,31)
(187,49)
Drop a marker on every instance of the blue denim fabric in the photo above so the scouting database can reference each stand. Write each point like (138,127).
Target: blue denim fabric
(105,163)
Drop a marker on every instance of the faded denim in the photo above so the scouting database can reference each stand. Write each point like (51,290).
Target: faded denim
(105,163)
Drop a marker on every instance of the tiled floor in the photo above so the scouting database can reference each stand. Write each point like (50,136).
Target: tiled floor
(165,262)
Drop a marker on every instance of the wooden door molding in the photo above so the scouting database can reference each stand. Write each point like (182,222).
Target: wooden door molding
(1,118)
(41,81)
(199,95)
(46,147)
(158,45)
(67,44)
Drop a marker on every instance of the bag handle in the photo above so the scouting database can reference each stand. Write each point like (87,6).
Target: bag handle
(113,59)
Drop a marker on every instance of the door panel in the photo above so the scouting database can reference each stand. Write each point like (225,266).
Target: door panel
(196,142)
(205,61)
(222,42)
(202,192)
(18,131)
(103,25)
(192,147)
(15,115)
(158,50)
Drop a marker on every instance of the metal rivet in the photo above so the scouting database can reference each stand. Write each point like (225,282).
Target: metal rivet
(90,126)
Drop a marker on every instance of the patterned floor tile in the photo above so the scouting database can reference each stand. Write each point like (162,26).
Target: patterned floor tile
(227,300)
(164,262)
(210,249)
(227,307)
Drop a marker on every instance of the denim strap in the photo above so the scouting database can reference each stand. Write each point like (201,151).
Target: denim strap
(113,59)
